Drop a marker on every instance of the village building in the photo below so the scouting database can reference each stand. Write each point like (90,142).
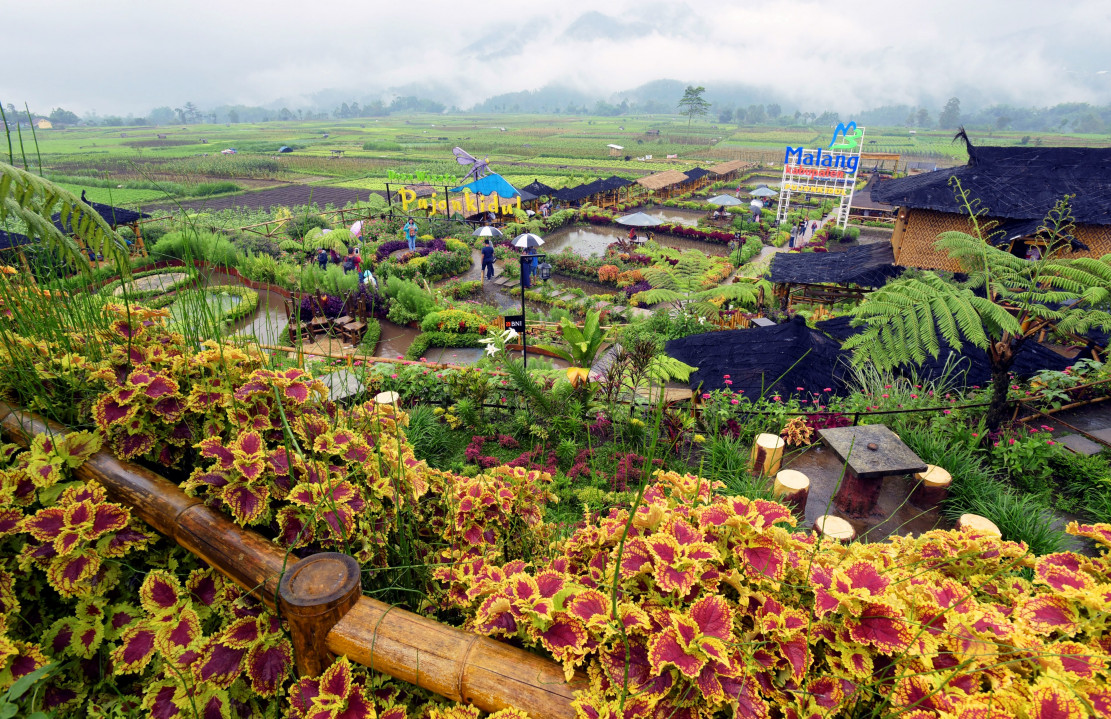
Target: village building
(1017,186)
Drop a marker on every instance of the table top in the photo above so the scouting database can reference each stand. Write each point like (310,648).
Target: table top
(891,456)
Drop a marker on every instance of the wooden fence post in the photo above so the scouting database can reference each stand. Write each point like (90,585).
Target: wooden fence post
(313,595)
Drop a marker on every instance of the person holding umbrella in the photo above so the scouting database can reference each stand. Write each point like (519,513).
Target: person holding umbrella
(487,260)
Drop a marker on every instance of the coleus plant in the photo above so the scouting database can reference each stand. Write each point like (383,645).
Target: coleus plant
(709,603)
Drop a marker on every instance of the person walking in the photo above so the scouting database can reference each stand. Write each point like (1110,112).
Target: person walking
(487,261)
(411,234)
(358,260)
(322,258)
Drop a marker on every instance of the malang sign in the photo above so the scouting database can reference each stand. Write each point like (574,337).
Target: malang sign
(829,171)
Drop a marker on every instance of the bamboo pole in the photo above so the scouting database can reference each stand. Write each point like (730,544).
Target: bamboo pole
(442,659)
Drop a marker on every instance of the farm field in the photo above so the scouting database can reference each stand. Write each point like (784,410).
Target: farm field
(356,154)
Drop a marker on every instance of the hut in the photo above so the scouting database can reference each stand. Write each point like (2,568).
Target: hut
(863,207)
(116,217)
(1016,186)
(728,170)
(697,178)
(764,361)
(663,184)
(615,150)
(829,277)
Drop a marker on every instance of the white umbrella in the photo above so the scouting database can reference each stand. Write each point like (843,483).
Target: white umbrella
(638,219)
(357,228)
(726,200)
(487,232)
(528,240)
(764,192)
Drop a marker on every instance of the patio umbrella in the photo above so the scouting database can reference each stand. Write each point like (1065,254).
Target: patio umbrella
(357,228)
(763,191)
(487,232)
(638,219)
(528,240)
(726,200)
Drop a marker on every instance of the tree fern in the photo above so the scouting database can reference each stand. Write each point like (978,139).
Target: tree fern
(32,200)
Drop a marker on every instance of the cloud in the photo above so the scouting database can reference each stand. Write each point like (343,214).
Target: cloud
(121,56)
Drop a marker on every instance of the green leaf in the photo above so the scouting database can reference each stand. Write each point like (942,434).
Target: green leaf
(25,682)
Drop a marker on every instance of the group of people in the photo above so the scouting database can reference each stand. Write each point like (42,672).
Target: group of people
(720,213)
(352,262)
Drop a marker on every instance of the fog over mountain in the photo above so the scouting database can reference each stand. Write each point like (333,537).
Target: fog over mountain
(127,56)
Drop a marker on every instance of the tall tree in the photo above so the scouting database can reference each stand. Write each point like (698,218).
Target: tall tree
(923,117)
(1005,301)
(693,103)
(774,111)
(950,117)
(63,117)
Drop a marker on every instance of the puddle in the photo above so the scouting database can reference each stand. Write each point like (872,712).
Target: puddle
(687,218)
(395,340)
(594,239)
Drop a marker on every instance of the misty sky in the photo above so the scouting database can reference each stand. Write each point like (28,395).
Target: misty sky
(121,56)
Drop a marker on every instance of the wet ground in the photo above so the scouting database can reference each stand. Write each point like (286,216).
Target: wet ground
(674,215)
(894,514)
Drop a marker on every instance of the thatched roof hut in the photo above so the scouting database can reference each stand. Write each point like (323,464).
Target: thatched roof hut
(725,168)
(660,180)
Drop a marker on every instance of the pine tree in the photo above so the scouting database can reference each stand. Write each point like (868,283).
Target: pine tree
(1005,301)
(693,103)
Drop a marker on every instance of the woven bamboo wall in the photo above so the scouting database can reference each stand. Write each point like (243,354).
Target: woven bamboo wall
(916,246)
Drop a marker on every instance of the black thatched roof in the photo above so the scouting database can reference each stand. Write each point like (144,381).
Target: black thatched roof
(772,360)
(1015,183)
(1030,358)
(538,188)
(613,182)
(697,173)
(869,265)
(579,192)
(8,240)
(863,200)
(114,216)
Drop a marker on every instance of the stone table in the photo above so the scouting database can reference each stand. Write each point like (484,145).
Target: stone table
(870,453)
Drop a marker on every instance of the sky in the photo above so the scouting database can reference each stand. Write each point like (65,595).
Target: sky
(128,56)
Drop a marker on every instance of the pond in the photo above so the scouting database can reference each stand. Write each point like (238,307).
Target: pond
(594,239)
(218,303)
(674,215)
(151,283)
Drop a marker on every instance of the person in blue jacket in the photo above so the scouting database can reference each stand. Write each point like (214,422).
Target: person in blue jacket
(487,261)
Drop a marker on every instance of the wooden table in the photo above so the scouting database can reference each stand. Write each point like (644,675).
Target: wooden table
(870,453)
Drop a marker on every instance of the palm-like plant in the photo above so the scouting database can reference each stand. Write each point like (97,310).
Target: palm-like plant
(1005,301)
(583,343)
(32,200)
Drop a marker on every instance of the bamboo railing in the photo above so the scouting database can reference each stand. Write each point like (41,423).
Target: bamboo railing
(321,598)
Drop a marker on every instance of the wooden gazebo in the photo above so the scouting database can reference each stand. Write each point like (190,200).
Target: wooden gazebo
(663,184)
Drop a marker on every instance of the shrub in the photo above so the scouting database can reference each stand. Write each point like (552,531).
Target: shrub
(257,244)
(425,340)
(190,244)
(206,189)
(456,321)
(298,227)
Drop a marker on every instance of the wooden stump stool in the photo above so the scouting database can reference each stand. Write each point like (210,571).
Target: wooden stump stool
(767,453)
(792,488)
(978,523)
(390,397)
(932,487)
(315,594)
(831,527)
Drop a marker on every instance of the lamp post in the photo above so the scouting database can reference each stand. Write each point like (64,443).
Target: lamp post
(544,271)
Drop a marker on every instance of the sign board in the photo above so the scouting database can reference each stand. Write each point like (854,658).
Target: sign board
(827,172)
(515,322)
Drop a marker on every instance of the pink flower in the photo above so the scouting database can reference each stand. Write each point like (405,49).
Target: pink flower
(914,396)
(885,396)
(401,356)
(827,389)
(1051,442)
(705,395)
(947,411)
(423,359)
(775,398)
(1033,430)
(887,386)
(734,401)
(975,435)
(393,376)
(800,389)
(725,376)
(1011,440)
(728,381)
